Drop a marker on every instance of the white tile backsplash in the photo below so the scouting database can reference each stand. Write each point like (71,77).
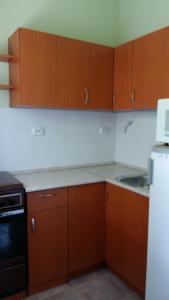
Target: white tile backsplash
(72,137)
(135,148)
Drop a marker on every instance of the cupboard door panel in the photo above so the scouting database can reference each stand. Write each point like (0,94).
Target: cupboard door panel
(86,226)
(123,77)
(126,235)
(164,91)
(147,70)
(47,244)
(73,73)
(38,65)
(101,90)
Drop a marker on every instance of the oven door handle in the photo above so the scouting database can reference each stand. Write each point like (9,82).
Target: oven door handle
(11,213)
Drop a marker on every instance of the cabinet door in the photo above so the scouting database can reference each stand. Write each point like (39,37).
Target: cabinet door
(38,68)
(164,91)
(123,77)
(54,71)
(126,235)
(47,239)
(86,226)
(73,73)
(147,70)
(101,89)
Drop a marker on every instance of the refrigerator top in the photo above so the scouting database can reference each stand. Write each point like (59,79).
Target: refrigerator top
(160,149)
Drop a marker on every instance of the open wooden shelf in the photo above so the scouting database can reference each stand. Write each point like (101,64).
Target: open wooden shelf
(6,57)
(6,87)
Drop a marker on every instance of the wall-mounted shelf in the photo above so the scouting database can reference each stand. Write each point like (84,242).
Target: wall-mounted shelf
(6,57)
(5,87)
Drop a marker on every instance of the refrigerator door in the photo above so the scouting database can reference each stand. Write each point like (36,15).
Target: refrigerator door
(157,281)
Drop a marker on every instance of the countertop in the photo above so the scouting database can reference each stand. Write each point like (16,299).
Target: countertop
(70,176)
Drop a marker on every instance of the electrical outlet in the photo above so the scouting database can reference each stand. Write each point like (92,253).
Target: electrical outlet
(38,131)
(103,130)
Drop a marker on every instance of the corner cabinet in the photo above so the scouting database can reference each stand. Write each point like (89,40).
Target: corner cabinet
(57,72)
(141,75)
(126,235)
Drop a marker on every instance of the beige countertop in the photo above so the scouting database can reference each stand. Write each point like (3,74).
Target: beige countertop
(64,177)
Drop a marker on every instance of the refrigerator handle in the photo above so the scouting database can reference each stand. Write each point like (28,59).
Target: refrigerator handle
(150,171)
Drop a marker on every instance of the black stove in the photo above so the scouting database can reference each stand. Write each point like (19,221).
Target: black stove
(13,258)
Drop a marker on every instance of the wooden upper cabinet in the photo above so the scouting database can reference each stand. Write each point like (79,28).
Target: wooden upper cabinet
(49,71)
(102,68)
(53,71)
(73,67)
(35,65)
(164,88)
(147,70)
(123,57)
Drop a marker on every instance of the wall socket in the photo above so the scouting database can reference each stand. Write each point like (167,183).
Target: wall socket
(38,131)
(104,130)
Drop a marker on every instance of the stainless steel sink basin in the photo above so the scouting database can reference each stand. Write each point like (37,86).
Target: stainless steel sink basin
(135,181)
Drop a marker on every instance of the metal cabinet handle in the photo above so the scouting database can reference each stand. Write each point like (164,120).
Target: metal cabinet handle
(33,224)
(50,195)
(114,98)
(86,96)
(133,100)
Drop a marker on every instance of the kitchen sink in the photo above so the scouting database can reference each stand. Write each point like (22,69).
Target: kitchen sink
(135,181)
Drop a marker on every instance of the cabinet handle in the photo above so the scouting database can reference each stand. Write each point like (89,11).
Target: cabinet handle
(86,96)
(50,195)
(133,100)
(33,224)
(114,98)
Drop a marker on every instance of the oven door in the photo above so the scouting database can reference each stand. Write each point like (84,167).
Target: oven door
(12,252)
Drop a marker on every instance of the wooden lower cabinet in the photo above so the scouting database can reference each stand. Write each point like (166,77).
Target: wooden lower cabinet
(86,226)
(69,232)
(126,235)
(47,238)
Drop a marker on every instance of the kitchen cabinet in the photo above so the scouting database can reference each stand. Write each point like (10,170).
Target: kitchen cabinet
(47,238)
(86,226)
(126,235)
(48,70)
(123,57)
(164,87)
(101,85)
(53,71)
(147,69)
(141,72)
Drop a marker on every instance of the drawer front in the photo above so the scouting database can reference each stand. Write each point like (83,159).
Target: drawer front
(46,199)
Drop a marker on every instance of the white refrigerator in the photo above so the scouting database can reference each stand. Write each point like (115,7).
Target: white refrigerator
(157,278)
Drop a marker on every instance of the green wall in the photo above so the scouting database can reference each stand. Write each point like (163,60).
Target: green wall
(92,20)
(138,17)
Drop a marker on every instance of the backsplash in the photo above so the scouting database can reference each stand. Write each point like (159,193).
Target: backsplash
(71,137)
(135,135)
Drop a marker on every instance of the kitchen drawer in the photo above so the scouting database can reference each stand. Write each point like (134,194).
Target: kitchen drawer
(46,199)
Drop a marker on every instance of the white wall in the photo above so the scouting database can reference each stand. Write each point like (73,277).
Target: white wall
(4,78)
(135,148)
(72,137)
